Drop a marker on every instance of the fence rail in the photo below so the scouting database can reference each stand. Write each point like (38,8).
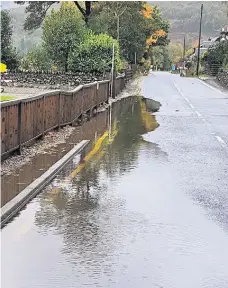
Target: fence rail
(23,121)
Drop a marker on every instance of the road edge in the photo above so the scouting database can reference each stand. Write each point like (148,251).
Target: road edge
(10,209)
(213,87)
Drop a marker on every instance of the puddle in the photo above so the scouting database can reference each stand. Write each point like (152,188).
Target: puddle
(13,184)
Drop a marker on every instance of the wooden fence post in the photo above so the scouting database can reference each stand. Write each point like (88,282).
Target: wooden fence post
(59,116)
(114,85)
(43,115)
(19,126)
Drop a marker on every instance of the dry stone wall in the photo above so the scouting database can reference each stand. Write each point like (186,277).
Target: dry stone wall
(222,77)
(49,80)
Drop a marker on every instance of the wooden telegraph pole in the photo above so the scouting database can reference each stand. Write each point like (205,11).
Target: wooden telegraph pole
(198,58)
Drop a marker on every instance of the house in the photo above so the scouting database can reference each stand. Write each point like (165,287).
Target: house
(211,41)
(204,46)
(223,34)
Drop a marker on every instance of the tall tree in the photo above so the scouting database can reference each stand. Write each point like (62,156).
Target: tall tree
(8,54)
(37,11)
(175,52)
(62,31)
(129,22)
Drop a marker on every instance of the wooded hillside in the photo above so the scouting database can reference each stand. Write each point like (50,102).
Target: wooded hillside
(184,18)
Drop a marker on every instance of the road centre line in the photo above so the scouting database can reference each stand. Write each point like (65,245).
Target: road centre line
(218,138)
(200,115)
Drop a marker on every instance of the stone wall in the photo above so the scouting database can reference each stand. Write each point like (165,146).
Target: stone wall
(222,77)
(49,80)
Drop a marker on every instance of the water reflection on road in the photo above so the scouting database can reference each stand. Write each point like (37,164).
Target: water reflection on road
(114,220)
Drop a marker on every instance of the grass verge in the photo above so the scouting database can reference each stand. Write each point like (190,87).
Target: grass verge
(6,98)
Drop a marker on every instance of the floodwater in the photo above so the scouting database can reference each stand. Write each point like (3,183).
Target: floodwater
(13,183)
(118,219)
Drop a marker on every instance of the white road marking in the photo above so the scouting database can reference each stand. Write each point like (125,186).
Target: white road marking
(213,88)
(198,114)
(187,100)
(221,141)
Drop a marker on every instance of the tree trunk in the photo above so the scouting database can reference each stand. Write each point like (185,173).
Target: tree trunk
(66,67)
(66,63)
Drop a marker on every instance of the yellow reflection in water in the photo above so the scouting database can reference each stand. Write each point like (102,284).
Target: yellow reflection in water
(101,143)
(149,121)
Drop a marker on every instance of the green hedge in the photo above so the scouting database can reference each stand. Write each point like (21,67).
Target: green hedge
(95,54)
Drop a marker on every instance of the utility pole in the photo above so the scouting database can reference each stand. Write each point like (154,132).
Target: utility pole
(118,28)
(113,92)
(184,48)
(198,58)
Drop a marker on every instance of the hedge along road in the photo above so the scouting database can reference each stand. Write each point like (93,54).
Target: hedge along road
(148,209)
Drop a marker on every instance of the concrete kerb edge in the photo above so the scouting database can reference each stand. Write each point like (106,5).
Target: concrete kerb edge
(203,81)
(10,209)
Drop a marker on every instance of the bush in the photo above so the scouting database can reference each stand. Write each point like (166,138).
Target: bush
(147,65)
(95,54)
(217,54)
(36,60)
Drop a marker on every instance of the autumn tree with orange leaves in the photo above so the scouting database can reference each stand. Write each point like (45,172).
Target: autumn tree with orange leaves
(136,25)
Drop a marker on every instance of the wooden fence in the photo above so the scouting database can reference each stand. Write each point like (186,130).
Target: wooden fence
(23,121)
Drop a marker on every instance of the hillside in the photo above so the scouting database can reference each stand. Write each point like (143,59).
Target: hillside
(23,40)
(184,18)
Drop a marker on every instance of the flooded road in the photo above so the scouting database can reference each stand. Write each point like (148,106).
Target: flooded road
(132,214)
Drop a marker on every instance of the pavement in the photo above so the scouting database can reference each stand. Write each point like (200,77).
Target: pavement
(150,211)
(212,81)
(23,92)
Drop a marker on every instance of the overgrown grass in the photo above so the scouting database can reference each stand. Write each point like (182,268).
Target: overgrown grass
(6,98)
(203,76)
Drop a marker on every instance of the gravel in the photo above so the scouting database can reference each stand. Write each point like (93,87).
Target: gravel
(50,140)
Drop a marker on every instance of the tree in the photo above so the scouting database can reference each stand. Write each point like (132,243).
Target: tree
(117,9)
(167,61)
(175,52)
(217,55)
(62,32)
(36,59)
(95,54)
(8,53)
(127,22)
(37,11)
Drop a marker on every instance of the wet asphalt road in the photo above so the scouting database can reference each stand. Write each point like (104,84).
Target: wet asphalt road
(149,209)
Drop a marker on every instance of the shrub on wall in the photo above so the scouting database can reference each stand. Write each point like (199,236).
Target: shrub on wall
(36,60)
(217,54)
(95,54)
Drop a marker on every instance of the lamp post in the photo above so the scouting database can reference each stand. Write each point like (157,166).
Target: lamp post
(198,58)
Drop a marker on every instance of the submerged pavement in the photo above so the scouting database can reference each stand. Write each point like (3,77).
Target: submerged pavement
(148,205)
